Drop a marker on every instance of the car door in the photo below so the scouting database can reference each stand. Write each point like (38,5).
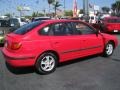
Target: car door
(90,42)
(64,41)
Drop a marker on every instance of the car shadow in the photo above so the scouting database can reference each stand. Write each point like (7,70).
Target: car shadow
(116,59)
(27,70)
(77,60)
(19,71)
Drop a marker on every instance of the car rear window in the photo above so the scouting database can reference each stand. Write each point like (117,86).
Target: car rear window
(27,27)
(113,20)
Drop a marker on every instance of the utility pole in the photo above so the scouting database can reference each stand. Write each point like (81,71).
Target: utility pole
(85,7)
(64,7)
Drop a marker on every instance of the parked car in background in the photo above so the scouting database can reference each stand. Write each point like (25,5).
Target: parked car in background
(85,18)
(40,18)
(93,19)
(18,21)
(75,18)
(1,37)
(4,29)
(6,26)
(44,44)
(110,24)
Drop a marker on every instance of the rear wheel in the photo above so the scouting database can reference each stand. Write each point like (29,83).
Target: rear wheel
(46,63)
(109,48)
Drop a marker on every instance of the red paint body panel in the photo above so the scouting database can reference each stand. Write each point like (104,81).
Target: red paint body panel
(67,47)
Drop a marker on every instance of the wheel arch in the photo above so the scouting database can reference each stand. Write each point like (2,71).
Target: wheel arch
(50,51)
(113,42)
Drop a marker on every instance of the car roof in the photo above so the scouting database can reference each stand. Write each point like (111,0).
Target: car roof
(41,17)
(62,20)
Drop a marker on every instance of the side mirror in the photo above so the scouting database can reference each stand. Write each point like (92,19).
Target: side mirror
(97,32)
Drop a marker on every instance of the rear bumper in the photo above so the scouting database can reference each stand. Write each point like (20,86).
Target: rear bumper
(18,60)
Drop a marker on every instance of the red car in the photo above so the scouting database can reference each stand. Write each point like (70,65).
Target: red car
(44,44)
(111,24)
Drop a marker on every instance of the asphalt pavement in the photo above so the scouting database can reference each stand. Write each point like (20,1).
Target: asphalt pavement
(92,73)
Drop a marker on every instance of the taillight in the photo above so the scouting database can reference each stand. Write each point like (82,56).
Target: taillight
(12,45)
(15,45)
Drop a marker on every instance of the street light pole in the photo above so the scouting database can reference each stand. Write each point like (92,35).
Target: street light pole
(85,7)
(64,7)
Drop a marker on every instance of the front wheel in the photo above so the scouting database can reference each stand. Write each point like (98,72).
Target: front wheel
(46,63)
(109,48)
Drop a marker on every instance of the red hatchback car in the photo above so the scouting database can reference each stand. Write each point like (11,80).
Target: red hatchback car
(111,24)
(44,44)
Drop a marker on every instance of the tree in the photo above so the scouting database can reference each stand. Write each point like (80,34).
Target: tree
(56,5)
(50,2)
(37,14)
(69,13)
(116,8)
(81,11)
(105,9)
(8,15)
(113,9)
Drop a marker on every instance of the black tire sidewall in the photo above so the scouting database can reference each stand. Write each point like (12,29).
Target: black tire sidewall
(38,63)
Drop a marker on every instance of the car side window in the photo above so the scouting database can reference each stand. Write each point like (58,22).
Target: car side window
(44,31)
(83,29)
(62,29)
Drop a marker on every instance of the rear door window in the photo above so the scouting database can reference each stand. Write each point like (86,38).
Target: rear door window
(61,29)
(58,29)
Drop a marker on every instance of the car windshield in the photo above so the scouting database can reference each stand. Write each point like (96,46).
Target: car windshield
(27,27)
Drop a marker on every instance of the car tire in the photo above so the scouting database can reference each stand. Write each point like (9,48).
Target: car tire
(108,50)
(46,63)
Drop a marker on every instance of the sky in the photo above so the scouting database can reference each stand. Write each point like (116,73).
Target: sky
(10,6)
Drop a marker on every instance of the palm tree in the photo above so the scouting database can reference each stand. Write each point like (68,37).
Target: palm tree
(50,2)
(113,8)
(105,9)
(116,7)
(56,4)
